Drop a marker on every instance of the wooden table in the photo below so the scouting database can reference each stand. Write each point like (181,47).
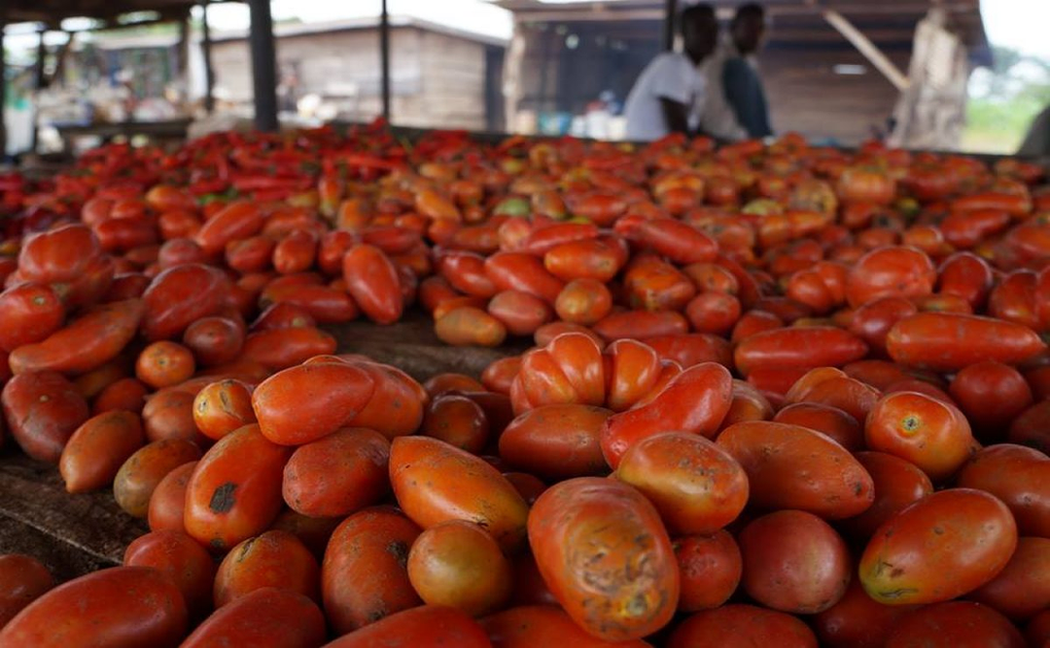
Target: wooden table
(170,129)
(76,534)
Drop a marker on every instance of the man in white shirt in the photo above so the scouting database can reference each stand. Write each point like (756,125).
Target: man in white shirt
(668,96)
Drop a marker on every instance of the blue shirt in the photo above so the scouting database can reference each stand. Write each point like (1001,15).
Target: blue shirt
(745,95)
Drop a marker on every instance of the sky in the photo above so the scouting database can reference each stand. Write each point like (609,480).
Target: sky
(1021,24)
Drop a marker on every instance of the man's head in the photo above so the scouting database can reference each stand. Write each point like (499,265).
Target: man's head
(747,28)
(699,31)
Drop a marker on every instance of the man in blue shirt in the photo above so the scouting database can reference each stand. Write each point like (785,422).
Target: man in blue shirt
(741,82)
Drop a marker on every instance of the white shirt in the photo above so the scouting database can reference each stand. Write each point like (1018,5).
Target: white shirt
(718,118)
(671,75)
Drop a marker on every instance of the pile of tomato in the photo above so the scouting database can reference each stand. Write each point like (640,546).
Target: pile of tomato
(779,394)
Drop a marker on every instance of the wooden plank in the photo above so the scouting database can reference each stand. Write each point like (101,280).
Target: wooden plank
(412,345)
(84,531)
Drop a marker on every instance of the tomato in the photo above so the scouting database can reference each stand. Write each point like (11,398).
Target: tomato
(238,220)
(521,313)
(837,424)
(556,441)
(542,625)
(794,562)
(898,484)
(235,491)
(24,579)
(1038,631)
(295,252)
(932,434)
(792,467)
(364,575)
(214,340)
(164,363)
(168,501)
(873,320)
(568,370)
(273,559)
(968,276)
(950,341)
(435,482)
(1017,475)
(588,535)
(282,315)
(42,411)
(671,238)
(857,621)
(222,407)
(755,321)
(98,449)
(373,282)
(180,558)
(943,546)
(457,420)
(179,296)
(87,343)
(806,347)
(713,312)
(710,568)
(139,475)
(339,474)
(640,325)
(738,626)
(306,402)
(458,564)
(31,313)
(273,617)
(990,394)
(595,259)
(469,326)
(1015,299)
(282,348)
(119,607)
(696,486)
(466,272)
(748,405)
(168,414)
(426,626)
(524,272)
(690,349)
(694,402)
(961,624)
(1022,588)
(890,272)
(59,256)
(654,285)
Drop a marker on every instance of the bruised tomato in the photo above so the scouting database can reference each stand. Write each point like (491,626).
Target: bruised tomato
(590,536)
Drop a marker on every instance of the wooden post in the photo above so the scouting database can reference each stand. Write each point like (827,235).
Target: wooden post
(867,48)
(182,57)
(670,12)
(264,65)
(384,58)
(41,82)
(3,94)
(209,71)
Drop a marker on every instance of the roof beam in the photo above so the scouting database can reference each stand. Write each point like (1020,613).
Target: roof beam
(870,51)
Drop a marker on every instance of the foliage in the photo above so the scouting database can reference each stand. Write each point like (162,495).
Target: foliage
(1003,101)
